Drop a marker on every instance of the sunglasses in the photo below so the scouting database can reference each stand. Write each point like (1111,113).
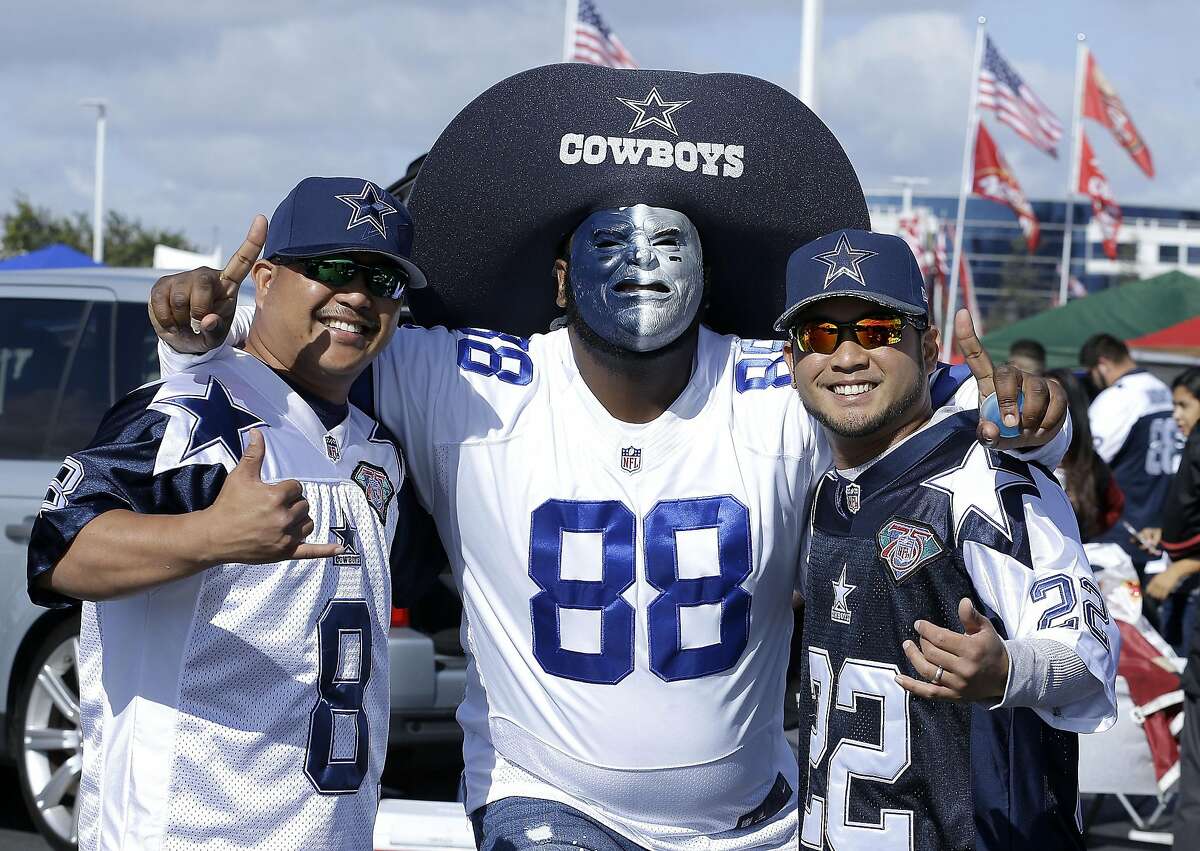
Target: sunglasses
(384,281)
(823,337)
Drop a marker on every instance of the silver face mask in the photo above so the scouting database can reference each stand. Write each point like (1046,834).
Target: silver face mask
(637,275)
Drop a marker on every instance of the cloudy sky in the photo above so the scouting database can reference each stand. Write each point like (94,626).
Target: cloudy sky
(218,108)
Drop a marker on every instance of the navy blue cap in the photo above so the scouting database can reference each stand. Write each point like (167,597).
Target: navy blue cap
(336,215)
(876,267)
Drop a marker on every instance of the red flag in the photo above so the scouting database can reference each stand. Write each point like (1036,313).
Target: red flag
(1094,184)
(1100,102)
(993,180)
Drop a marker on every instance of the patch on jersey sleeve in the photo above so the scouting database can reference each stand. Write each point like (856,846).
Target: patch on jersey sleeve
(377,487)
(905,545)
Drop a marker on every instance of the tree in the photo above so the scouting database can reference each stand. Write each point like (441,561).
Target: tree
(127,242)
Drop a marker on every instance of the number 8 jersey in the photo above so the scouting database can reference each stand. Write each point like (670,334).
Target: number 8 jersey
(245,706)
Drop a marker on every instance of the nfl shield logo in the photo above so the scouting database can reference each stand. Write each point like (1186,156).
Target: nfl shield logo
(631,459)
(853,497)
(377,487)
(332,449)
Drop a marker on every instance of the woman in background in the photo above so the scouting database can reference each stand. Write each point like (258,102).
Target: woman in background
(1085,477)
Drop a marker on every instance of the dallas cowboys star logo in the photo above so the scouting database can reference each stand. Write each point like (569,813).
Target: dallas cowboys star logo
(975,486)
(841,590)
(368,207)
(654,110)
(844,260)
(219,421)
(347,536)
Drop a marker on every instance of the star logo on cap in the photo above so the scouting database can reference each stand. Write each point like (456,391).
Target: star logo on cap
(368,207)
(654,110)
(844,260)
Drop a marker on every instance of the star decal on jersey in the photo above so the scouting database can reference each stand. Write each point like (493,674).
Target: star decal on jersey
(975,487)
(219,421)
(840,611)
(369,208)
(654,110)
(347,535)
(844,260)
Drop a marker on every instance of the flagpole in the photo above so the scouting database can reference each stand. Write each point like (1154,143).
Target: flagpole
(964,190)
(571,12)
(1073,176)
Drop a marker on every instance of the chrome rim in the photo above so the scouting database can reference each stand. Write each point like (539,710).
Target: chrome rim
(53,746)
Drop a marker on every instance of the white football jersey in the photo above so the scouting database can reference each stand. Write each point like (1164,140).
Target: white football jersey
(626,588)
(246,706)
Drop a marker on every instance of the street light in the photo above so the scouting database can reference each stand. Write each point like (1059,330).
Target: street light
(101,107)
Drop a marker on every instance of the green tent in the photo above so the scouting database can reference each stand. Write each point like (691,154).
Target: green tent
(1129,311)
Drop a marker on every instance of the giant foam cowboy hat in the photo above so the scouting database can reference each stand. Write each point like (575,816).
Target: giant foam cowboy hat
(525,162)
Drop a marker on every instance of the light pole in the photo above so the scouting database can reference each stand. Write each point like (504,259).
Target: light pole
(101,107)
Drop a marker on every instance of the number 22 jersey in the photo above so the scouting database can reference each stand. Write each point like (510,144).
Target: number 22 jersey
(938,518)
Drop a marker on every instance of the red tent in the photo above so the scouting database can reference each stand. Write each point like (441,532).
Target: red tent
(1183,338)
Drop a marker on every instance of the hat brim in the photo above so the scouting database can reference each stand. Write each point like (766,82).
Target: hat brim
(494,198)
(788,318)
(416,278)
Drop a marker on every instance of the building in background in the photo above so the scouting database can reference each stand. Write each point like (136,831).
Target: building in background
(1011,284)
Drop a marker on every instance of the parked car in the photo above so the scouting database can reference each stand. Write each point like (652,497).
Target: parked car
(72,342)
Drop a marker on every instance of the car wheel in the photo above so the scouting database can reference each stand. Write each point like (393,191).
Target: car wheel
(50,754)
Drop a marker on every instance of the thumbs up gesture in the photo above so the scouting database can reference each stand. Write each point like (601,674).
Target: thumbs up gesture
(971,665)
(260,523)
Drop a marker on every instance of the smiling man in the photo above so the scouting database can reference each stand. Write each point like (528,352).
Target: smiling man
(229,529)
(955,640)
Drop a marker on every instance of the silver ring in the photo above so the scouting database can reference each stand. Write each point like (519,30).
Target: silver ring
(937,677)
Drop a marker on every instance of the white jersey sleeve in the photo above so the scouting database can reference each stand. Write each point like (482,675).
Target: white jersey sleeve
(1056,600)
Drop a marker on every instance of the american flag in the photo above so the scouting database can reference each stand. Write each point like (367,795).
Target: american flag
(593,42)
(1015,104)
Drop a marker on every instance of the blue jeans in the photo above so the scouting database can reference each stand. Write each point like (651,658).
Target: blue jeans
(519,824)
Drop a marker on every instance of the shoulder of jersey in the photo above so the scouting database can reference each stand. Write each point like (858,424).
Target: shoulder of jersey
(210,408)
(752,377)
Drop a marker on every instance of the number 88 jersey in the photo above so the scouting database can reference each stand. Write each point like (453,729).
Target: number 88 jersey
(627,588)
(937,519)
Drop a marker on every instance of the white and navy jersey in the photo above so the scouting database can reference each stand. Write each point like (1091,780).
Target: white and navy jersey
(246,706)
(1134,432)
(938,518)
(626,588)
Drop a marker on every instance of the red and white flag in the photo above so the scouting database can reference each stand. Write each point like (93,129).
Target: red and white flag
(942,251)
(1001,89)
(594,43)
(1094,184)
(1100,102)
(994,180)
(912,231)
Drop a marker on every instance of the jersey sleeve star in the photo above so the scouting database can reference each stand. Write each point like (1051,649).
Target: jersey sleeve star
(844,260)
(218,420)
(975,487)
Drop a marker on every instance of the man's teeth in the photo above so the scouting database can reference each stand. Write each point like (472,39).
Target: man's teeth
(344,326)
(851,389)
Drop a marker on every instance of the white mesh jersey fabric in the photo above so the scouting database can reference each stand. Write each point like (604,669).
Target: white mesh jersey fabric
(199,698)
(677,745)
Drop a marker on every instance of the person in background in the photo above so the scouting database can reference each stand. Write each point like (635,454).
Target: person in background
(1180,538)
(1088,481)
(1133,432)
(1178,586)
(1028,355)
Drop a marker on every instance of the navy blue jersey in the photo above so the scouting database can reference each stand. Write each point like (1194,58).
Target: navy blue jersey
(937,519)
